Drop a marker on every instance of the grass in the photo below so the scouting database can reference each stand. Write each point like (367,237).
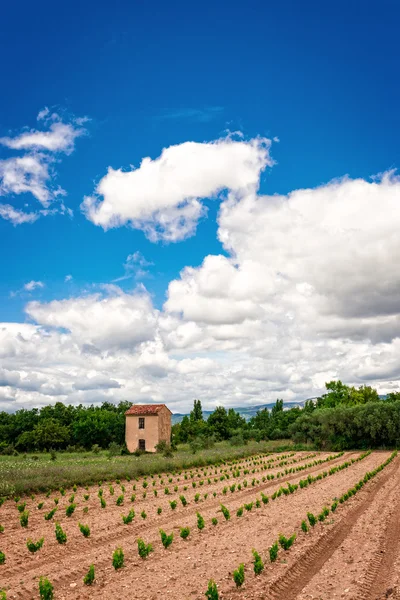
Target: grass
(23,474)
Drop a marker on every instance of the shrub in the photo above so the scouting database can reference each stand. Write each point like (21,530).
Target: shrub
(103,503)
(111,490)
(212,591)
(34,546)
(40,505)
(2,558)
(183,500)
(86,497)
(90,576)
(118,558)
(273,552)
(24,518)
(159,510)
(166,539)
(286,543)
(238,575)
(143,514)
(258,563)
(48,516)
(21,507)
(70,509)
(239,511)
(3,595)
(249,506)
(144,549)
(184,533)
(197,497)
(129,517)
(71,498)
(214,521)
(311,519)
(56,501)
(85,530)
(173,504)
(304,526)
(85,509)
(1,529)
(225,512)
(200,521)
(120,500)
(46,589)
(61,536)
(133,497)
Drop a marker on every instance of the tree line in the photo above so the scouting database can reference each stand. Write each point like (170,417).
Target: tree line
(342,418)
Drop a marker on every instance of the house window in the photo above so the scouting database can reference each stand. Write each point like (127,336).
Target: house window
(142,444)
(141,422)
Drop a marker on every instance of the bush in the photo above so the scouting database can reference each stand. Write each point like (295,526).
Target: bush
(2,558)
(166,539)
(129,517)
(48,516)
(212,591)
(85,530)
(144,549)
(70,509)
(239,511)
(61,536)
(273,552)
(24,518)
(304,526)
(258,563)
(173,504)
(21,507)
(40,505)
(118,558)
(103,503)
(46,589)
(34,546)
(200,521)
(238,575)
(114,450)
(183,500)
(184,533)
(225,512)
(95,449)
(90,576)
(120,500)
(311,519)
(214,521)
(159,510)
(3,595)
(286,543)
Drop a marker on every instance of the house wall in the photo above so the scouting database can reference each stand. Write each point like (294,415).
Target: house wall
(164,424)
(150,433)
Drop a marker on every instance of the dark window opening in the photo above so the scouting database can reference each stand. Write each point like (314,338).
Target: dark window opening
(141,422)
(142,444)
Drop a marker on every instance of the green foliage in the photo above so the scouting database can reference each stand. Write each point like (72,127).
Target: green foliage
(258,563)
(214,521)
(159,510)
(118,558)
(70,509)
(1,528)
(46,589)
(34,546)
(173,504)
(304,526)
(200,521)
(103,503)
(86,497)
(248,506)
(3,595)
(24,518)
(311,519)
(273,552)
(120,500)
(48,516)
(238,575)
(84,529)
(212,591)
(90,576)
(21,507)
(2,558)
(61,536)
(144,549)
(239,511)
(225,512)
(166,539)
(184,532)
(264,498)
(143,514)
(183,500)
(285,542)
(129,517)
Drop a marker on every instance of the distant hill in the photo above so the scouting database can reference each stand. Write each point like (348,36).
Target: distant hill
(245,411)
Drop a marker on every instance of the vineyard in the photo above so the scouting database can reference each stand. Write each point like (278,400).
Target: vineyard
(297,525)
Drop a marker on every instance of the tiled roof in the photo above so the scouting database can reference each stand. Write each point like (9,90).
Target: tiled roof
(145,409)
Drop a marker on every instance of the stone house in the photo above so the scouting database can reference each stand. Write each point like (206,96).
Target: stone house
(146,425)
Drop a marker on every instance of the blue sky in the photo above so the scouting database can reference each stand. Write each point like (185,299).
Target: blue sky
(321,78)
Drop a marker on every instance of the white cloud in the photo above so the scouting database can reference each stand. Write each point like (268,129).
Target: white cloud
(135,266)
(33,172)
(161,197)
(17,217)
(33,285)
(68,278)
(307,291)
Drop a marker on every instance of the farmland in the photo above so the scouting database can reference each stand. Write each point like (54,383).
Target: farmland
(322,525)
